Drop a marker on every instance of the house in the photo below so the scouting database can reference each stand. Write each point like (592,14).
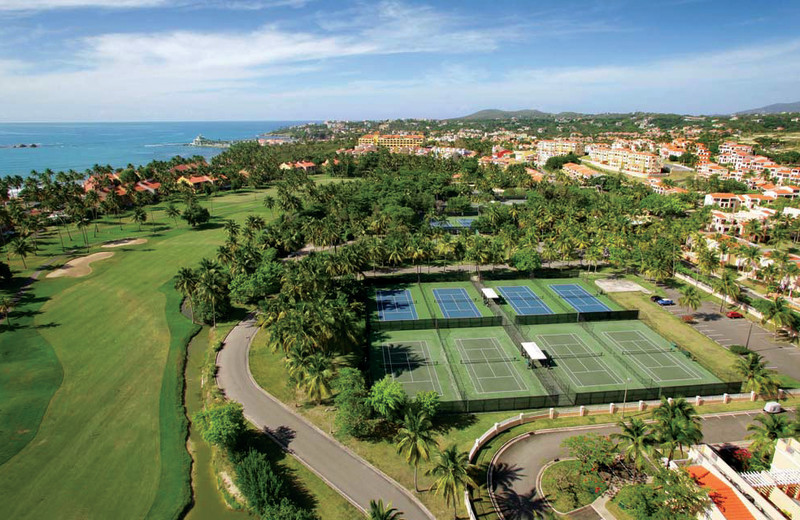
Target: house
(734,147)
(195,181)
(709,168)
(579,171)
(148,186)
(306,166)
(723,200)
(658,186)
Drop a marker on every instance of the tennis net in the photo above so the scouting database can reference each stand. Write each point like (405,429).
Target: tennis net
(576,355)
(491,360)
(644,351)
(405,362)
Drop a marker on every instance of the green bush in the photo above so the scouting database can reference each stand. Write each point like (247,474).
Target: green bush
(740,349)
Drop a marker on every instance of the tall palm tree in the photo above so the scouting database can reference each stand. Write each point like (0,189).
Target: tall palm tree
(314,375)
(690,298)
(186,284)
(5,309)
(779,314)
(452,472)
(172,212)
(414,440)
(21,246)
(210,284)
(377,511)
(756,377)
(766,429)
(638,440)
(231,228)
(139,216)
(727,286)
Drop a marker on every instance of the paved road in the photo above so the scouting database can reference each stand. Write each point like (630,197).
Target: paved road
(782,356)
(517,467)
(352,476)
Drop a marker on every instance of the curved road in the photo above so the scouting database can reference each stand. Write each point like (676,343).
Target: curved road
(349,474)
(515,469)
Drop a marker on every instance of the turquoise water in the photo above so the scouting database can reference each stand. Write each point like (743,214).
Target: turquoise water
(78,146)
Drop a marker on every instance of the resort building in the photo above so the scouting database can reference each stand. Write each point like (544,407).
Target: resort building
(733,147)
(554,148)
(581,172)
(392,141)
(723,200)
(626,160)
(708,169)
(760,495)
(306,166)
(658,186)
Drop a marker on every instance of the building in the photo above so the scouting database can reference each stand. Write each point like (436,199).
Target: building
(658,186)
(626,160)
(579,171)
(392,141)
(723,200)
(306,166)
(708,169)
(733,147)
(553,148)
(761,495)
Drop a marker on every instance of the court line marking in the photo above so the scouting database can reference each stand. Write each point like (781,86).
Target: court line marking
(477,379)
(669,356)
(602,366)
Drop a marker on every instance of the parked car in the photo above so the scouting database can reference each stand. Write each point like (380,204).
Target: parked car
(735,315)
(655,298)
(773,407)
(665,301)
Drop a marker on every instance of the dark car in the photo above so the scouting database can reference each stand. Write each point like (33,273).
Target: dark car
(655,298)
(735,315)
(665,301)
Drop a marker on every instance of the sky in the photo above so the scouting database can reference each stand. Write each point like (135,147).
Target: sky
(181,60)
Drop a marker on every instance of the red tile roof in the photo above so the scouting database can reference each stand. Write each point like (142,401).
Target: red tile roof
(721,494)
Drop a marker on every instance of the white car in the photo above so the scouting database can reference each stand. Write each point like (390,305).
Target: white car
(773,407)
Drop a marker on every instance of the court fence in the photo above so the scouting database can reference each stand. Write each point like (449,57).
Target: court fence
(437,323)
(499,404)
(574,317)
(655,392)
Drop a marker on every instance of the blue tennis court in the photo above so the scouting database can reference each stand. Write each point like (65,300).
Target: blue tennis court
(579,298)
(466,222)
(395,304)
(456,303)
(524,301)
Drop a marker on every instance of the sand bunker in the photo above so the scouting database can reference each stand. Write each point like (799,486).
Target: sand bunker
(125,242)
(79,266)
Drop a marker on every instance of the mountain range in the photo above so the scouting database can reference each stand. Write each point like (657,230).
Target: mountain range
(775,108)
(484,115)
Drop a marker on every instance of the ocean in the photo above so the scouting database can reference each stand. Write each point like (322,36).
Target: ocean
(78,146)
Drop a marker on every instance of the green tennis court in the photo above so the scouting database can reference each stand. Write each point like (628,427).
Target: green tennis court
(584,365)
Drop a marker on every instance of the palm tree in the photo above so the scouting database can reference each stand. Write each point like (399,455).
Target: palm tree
(172,212)
(269,202)
(377,511)
(756,377)
(414,440)
(139,216)
(21,246)
(186,284)
(452,471)
(691,298)
(5,309)
(232,228)
(770,428)
(726,285)
(313,374)
(779,314)
(638,439)
(210,284)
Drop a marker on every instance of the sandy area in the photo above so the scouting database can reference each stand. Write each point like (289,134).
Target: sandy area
(611,285)
(79,266)
(126,242)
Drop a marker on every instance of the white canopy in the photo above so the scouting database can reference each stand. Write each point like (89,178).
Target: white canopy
(489,293)
(533,351)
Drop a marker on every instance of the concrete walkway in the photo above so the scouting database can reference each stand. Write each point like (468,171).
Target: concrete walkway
(344,471)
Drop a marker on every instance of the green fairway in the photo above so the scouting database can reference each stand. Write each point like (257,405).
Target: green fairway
(108,444)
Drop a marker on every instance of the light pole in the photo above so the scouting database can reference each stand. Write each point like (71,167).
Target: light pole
(625,397)
(750,331)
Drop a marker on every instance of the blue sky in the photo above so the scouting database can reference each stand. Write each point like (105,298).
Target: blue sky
(130,60)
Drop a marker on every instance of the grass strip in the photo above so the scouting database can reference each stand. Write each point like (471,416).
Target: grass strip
(175,482)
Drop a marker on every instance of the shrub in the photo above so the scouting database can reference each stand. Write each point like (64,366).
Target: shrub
(740,349)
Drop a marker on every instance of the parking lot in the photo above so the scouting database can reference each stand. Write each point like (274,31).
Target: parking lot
(782,356)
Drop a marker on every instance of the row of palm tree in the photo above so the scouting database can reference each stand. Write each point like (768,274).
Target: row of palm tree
(207,284)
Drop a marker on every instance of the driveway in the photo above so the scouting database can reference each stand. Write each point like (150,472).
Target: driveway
(515,470)
(350,475)
(781,356)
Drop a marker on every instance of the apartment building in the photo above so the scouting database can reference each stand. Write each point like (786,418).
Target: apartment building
(626,159)
(657,186)
(763,495)
(392,141)
(579,171)
(734,147)
(553,148)
(723,200)
(709,168)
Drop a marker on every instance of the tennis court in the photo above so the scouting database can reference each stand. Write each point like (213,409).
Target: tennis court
(524,301)
(395,304)
(662,365)
(411,363)
(491,369)
(579,298)
(584,366)
(456,303)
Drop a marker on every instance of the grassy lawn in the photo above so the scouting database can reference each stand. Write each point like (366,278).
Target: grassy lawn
(567,473)
(708,353)
(108,437)
(618,512)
